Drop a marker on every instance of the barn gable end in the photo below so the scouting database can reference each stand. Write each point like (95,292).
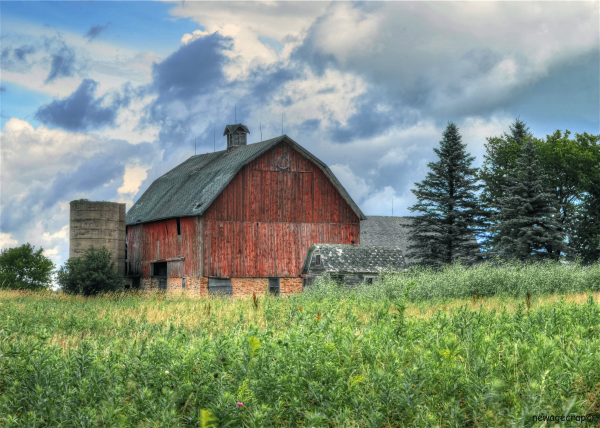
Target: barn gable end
(249,214)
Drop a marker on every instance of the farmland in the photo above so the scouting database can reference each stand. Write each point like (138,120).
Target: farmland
(462,347)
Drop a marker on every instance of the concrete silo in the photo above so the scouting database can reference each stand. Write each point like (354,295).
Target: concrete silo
(98,224)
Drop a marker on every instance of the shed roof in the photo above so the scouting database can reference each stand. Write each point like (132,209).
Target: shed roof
(190,188)
(356,258)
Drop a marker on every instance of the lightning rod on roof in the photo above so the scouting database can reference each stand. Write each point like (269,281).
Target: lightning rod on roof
(235,114)
(392,207)
(281,123)
(214,141)
(260,131)
(194,146)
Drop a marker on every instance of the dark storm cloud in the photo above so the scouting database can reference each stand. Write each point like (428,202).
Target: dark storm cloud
(375,114)
(16,59)
(96,177)
(95,31)
(62,64)
(194,69)
(22,52)
(309,125)
(265,82)
(81,110)
(94,173)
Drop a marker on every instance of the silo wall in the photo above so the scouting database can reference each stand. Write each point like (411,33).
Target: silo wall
(98,224)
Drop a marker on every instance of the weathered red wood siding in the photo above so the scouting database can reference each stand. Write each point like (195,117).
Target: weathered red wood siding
(266,219)
(261,225)
(142,246)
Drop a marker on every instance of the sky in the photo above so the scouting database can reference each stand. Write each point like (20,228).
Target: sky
(98,99)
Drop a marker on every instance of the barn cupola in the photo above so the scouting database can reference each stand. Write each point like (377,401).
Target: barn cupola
(236,136)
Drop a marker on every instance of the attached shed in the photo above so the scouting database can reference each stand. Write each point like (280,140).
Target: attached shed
(239,220)
(351,264)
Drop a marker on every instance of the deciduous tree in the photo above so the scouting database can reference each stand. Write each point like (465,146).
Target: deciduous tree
(91,273)
(23,268)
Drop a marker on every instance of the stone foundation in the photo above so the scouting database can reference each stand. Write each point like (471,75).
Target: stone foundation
(247,286)
(290,285)
(198,286)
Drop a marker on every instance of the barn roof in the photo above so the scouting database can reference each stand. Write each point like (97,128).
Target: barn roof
(386,231)
(190,188)
(356,258)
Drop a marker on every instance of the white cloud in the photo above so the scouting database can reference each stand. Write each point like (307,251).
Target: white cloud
(356,186)
(245,22)
(134,175)
(346,30)
(329,97)
(6,241)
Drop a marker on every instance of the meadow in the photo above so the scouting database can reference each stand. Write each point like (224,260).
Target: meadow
(479,347)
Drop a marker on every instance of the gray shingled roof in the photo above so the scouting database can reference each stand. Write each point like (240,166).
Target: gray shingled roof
(231,128)
(386,231)
(356,258)
(190,188)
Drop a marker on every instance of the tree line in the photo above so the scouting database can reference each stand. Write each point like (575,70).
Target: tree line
(532,199)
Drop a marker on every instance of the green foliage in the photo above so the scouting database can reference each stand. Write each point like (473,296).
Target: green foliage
(137,361)
(525,226)
(571,166)
(23,268)
(585,238)
(90,274)
(498,278)
(452,215)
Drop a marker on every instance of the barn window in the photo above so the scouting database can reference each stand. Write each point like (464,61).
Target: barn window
(318,259)
(274,286)
(178,228)
(370,279)
(220,286)
(159,269)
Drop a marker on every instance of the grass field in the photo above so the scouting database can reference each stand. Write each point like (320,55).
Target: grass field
(327,358)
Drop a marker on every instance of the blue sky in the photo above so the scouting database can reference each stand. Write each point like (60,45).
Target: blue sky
(98,99)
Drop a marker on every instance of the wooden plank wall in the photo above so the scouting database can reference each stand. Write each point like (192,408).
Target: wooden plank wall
(266,219)
(261,225)
(142,248)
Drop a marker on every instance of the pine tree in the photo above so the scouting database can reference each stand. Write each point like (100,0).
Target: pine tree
(452,217)
(585,239)
(500,159)
(525,226)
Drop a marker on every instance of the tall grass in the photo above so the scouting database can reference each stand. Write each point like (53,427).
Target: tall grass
(486,279)
(325,358)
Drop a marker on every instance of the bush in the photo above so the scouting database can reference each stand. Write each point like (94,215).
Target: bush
(92,273)
(23,269)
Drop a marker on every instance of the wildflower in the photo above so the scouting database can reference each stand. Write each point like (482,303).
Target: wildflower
(166,372)
(240,404)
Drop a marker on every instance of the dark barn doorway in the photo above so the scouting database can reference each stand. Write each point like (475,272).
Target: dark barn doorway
(159,270)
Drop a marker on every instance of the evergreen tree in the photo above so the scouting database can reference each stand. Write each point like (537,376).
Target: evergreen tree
(500,159)
(452,217)
(525,225)
(585,239)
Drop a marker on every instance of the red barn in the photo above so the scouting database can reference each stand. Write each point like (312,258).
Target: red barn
(239,220)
